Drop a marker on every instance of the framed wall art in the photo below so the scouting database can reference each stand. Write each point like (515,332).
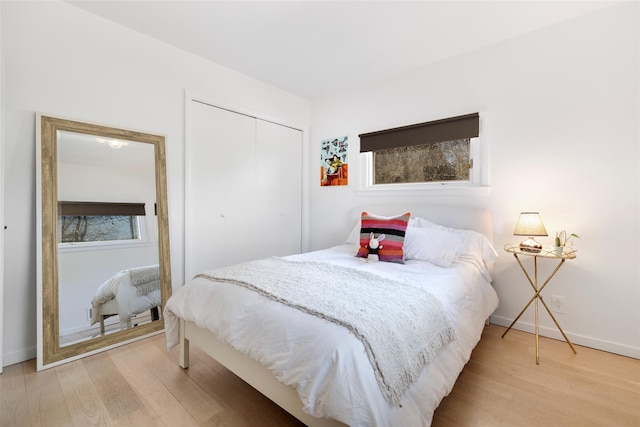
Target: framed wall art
(334,164)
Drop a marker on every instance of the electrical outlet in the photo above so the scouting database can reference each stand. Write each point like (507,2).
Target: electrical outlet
(89,313)
(557,304)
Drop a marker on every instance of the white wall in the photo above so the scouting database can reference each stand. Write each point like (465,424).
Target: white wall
(1,195)
(561,106)
(60,60)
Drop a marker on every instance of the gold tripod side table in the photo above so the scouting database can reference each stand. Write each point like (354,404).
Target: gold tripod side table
(546,254)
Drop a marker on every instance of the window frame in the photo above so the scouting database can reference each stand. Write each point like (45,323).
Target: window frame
(105,209)
(478,178)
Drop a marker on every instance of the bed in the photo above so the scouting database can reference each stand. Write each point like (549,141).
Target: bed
(127,294)
(332,368)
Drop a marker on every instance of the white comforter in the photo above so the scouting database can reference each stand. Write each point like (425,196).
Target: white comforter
(118,288)
(324,362)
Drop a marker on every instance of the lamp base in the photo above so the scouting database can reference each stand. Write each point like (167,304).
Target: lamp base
(530,245)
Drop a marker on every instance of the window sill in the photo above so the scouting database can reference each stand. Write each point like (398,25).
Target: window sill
(424,191)
(101,246)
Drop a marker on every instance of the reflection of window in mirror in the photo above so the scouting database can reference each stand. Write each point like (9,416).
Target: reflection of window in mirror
(75,229)
(81,222)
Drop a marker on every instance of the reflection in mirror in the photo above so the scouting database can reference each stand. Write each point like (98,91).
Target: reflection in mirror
(107,236)
(105,271)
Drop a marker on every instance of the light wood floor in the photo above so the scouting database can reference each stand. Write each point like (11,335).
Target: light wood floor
(141,385)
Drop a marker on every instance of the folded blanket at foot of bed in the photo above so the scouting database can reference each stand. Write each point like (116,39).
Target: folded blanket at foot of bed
(145,279)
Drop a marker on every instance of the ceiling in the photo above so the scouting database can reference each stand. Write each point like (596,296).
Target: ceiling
(313,48)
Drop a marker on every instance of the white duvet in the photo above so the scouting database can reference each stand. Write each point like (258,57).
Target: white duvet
(121,296)
(324,362)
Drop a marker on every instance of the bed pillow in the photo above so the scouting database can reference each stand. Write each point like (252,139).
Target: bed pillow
(394,229)
(417,221)
(354,236)
(475,248)
(478,250)
(437,245)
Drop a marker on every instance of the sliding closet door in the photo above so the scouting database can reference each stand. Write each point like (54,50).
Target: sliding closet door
(279,184)
(243,189)
(219,177)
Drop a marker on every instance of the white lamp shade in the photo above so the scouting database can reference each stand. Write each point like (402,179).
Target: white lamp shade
(530,224)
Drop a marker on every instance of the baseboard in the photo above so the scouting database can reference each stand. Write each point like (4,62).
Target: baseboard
(19,356)
(583,340)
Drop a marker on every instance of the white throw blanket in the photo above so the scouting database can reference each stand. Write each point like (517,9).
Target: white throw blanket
(145,279)
(399,337)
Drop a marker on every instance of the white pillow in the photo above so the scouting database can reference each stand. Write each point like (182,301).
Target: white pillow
(417,221)
(475,248)
(354,236)
(437,245)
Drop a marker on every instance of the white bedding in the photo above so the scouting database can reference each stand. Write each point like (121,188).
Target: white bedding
(326,363)
(118,290)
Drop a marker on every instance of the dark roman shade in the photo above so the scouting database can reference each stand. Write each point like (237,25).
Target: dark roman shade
(100,209)
(450,129)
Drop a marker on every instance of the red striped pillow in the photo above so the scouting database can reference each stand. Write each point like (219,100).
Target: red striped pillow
(394,228)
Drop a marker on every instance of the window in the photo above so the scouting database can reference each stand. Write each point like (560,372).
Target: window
(438,161)
(81,222)
(439,152)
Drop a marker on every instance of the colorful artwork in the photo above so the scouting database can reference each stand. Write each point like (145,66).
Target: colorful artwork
(334,167)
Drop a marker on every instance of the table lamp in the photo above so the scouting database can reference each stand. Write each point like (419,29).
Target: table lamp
(530,224)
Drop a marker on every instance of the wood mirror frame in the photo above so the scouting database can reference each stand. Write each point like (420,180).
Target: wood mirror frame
(50,353)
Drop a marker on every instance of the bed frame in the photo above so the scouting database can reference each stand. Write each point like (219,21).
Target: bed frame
(110,308)
(259,377)
(249,370)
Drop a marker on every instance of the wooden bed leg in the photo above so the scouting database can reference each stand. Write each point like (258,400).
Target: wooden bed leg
(184,347)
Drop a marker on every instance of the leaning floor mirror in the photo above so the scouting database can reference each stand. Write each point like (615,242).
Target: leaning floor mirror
(103,238)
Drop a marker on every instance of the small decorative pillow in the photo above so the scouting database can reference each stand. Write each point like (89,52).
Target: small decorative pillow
(393,228)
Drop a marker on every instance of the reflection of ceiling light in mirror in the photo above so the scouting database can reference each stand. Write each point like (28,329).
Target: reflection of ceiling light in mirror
(113,143)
